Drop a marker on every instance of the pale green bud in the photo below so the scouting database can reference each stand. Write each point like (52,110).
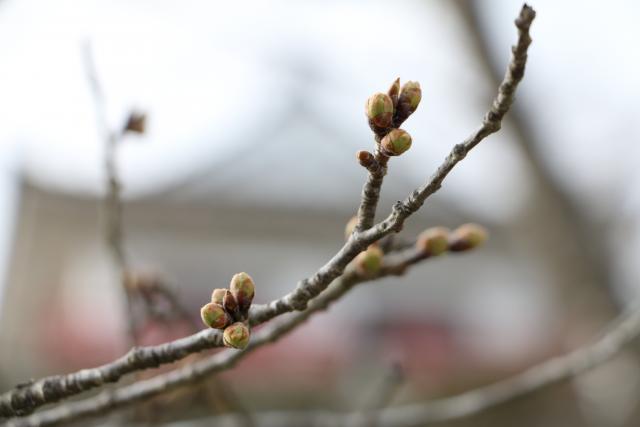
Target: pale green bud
(243,289)
(217,296)
(467,236)
(369,262)
(433,241)
(395,142)
(214,316)
(379,110)
(236,336)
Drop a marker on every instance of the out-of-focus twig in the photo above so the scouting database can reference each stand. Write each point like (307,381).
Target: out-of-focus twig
(112,203)
(379,396)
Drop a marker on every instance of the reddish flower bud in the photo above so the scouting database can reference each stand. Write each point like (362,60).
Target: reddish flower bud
(229,302)
(365,158)
(136,122)
(408,101)
(243,289)
(394,91)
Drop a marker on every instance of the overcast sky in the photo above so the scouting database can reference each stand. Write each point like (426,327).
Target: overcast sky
(215,75)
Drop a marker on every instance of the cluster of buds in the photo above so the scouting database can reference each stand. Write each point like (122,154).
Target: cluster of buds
(387,111)
(438,240)
(229,310)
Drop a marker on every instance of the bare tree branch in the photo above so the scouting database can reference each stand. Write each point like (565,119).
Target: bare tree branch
(47,390)
(195,372)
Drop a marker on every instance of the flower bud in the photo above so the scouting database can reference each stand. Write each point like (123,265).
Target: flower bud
(229,302)
(214,316)
(217,296)
(365,158)
(379,110)
(236,336)
(433,241)
(408,101)
(351,225)
(369,262)
(394,91)
(243,289)
(395,142)
(136,122)
(467,236)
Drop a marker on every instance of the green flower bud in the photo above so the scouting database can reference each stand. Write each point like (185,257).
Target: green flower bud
(408,101)
(433,241)
(379,110)
(467,236)
(214,316)
(369,262)
(243,289)
(236,336)
(395,142)
(217,296)
(351,225)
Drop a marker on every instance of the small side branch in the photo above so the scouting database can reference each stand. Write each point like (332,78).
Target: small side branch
(114,235)
(311,287)
(377,168)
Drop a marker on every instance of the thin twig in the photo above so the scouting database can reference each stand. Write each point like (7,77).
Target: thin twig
(112,203)
(47,390)
(380,396)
